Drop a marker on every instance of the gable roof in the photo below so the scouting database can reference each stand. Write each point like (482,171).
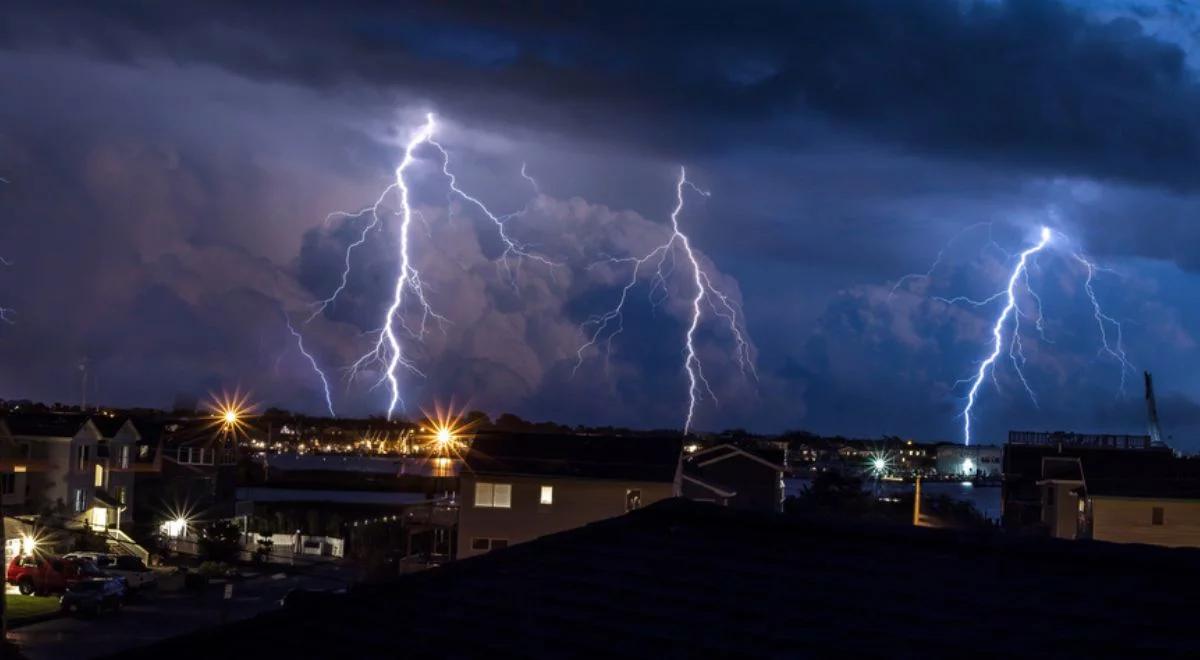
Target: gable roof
(726,451)
(681,579)
(579,456)
(708,485)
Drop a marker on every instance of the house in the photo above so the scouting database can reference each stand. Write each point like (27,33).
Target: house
(73,464)
(735,476)
(59,451)
(1162,512)
(183,468)
(682,579)
(115,481)
(1023,496)
(515,488)
(1121,492)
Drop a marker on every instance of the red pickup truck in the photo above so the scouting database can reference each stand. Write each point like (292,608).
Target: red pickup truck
(32,574)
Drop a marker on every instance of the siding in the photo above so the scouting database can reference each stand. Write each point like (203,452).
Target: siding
(1128,520)
(577,502)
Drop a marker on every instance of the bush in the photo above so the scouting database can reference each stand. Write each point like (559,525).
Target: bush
(219,541)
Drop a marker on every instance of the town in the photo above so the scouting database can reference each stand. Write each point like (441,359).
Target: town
(199,518)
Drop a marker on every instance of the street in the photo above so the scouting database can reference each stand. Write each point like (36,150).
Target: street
(157,616)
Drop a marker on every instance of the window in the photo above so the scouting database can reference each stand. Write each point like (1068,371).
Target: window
(8,483)
(124,454)
(82,454)
(1156,515)
(121,494)
(547,495)
(488,544)
(195,456)
(633,499)
(99,483)
(144,451)
(494,496)
(80,500)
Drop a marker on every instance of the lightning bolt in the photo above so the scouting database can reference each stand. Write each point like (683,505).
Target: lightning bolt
(1012,313)
(387,352)
(1103,320)
(604,327)
(312,361)
(1010,309)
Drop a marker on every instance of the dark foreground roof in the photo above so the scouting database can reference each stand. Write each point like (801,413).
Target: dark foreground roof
(581,456)
(684,580)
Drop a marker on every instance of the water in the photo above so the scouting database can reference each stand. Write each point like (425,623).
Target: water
(986,499)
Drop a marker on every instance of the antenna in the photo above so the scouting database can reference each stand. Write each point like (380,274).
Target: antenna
(1152,410)
(83,365)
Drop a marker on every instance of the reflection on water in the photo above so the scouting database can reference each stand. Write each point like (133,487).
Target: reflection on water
(986,499)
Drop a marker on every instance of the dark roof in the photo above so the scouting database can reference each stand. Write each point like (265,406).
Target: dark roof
(681,579)
(581,456)
(1025,461)
(774,457)
(59,425)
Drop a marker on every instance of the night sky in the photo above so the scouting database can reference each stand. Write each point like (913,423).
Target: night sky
(170,171)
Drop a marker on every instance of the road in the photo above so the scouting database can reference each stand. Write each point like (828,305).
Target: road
(168,614)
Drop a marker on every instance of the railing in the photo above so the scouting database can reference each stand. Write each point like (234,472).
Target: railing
(1110,441)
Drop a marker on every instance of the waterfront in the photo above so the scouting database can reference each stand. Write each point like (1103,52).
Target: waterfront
(985,498)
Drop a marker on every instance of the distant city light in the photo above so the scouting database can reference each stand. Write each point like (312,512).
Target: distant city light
(968,466)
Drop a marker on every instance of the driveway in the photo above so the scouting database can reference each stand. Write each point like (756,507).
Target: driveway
(161,615)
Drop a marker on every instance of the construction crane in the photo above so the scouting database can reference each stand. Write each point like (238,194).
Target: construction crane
(1152,411)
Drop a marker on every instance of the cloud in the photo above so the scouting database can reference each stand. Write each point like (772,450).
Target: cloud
(1036,83)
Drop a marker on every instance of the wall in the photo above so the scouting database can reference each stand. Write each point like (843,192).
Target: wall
(757,486)
(577,502)
(1128,520)
(1060,508)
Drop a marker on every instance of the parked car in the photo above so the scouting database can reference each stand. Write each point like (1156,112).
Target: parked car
(132,569)
(93,595)
(34,574)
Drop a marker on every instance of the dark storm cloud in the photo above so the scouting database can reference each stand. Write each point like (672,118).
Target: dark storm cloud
(172,165)
(1026,81)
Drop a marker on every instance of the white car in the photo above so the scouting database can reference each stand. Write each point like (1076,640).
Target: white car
(136,574)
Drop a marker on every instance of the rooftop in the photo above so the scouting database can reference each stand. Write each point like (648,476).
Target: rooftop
(682,579)
(580,456)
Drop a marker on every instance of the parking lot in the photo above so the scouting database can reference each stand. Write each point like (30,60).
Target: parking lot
(167,613)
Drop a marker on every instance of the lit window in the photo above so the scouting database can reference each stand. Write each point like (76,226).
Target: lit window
(124,457)
(80,500)
(547,495)
(99,476)
(498,496)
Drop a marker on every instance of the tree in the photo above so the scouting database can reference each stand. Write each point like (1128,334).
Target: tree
(219,541)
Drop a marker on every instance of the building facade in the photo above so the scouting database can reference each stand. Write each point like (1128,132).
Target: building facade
(516,488)
(969,461)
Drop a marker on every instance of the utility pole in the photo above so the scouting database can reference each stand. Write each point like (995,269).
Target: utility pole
(917,503)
